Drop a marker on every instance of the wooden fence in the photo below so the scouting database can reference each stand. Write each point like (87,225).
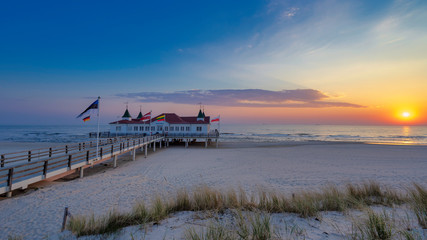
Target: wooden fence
(18,170)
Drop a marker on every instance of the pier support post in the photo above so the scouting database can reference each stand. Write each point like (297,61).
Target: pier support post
(217,143)
(206,143)
(145,154)
(154,146)
(115,161)
(81,172)
(186,143)
(9,194)
(133,154)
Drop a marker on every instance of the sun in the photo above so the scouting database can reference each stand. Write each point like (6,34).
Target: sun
(406,114)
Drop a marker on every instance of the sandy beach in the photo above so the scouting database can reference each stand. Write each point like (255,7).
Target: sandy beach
(285,167)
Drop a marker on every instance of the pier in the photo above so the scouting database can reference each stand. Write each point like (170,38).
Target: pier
(20,169)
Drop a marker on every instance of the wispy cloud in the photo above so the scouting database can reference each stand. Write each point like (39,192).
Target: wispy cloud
(298,98)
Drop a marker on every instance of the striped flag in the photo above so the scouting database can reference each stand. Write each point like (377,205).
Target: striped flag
(94,105)
(146,117)
(160,118)
(216,119)
(86,119)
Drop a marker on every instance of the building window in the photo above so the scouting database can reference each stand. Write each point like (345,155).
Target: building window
(141,129)
(147,128)
(171,129)
(187,129)
(153,128)
(166,128)
(199,129)
(118,129)
(135,129)
(182,129)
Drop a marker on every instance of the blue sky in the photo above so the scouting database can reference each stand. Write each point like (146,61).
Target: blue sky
(55,57)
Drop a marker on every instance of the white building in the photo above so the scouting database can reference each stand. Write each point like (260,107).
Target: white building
(171,125)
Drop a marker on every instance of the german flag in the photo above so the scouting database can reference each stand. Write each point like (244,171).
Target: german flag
(86,119)
(160,118)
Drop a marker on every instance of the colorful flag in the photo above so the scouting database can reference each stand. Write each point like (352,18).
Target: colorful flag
(86,119)
(94,105)
(160,118)
(146,117)
(215,119)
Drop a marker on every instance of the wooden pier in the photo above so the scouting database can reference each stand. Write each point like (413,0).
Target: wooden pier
(20,169)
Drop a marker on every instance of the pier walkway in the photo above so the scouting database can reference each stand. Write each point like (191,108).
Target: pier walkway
(20,169)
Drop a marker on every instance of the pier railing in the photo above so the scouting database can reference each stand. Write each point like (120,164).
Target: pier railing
(15,158)
(23,168)
(191,135)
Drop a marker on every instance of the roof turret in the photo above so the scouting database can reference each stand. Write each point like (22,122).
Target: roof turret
(200,116)
(139,115)
(126,115)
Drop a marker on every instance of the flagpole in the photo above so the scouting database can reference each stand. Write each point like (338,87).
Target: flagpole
(97,135)
(150,122)
(219,124)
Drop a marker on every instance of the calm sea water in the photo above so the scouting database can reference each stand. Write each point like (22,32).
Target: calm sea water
(410,135)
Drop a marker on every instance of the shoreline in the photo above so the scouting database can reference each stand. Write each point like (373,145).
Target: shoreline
(12,147)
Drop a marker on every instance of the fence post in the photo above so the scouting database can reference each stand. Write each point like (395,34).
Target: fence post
(66,149)
(2,160)
(64,220)
(50,152)
(45,169)
(87,156)
(29,156)
(9,181)
(69,162)
(100,153)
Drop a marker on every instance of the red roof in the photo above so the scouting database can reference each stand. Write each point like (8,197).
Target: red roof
(170,118)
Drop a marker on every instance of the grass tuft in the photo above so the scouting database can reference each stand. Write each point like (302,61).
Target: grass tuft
(377,226)
(418,201)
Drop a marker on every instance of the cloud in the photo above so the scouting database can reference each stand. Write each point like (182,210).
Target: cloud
(298,98)
(290,12)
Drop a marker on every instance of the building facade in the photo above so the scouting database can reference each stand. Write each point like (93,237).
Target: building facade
(165,123)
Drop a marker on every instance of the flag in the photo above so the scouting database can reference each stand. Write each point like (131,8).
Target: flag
(146,117)
(86,119)
(215,119)
(94,105)
(160,118)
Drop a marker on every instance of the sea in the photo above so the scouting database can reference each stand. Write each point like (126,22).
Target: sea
(400,135)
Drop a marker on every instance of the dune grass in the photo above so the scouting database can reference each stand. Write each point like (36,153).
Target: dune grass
(377,226)
(305,204)
(254,226)
(418,201)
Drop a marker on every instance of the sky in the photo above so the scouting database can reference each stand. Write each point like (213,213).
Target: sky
(271,62)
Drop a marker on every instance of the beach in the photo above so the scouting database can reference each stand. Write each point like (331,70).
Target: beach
(286,167)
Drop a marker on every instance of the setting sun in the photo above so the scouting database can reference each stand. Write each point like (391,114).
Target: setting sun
(406,114)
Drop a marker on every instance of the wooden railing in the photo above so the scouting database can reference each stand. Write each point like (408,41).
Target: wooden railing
(26,167)
(9,159)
